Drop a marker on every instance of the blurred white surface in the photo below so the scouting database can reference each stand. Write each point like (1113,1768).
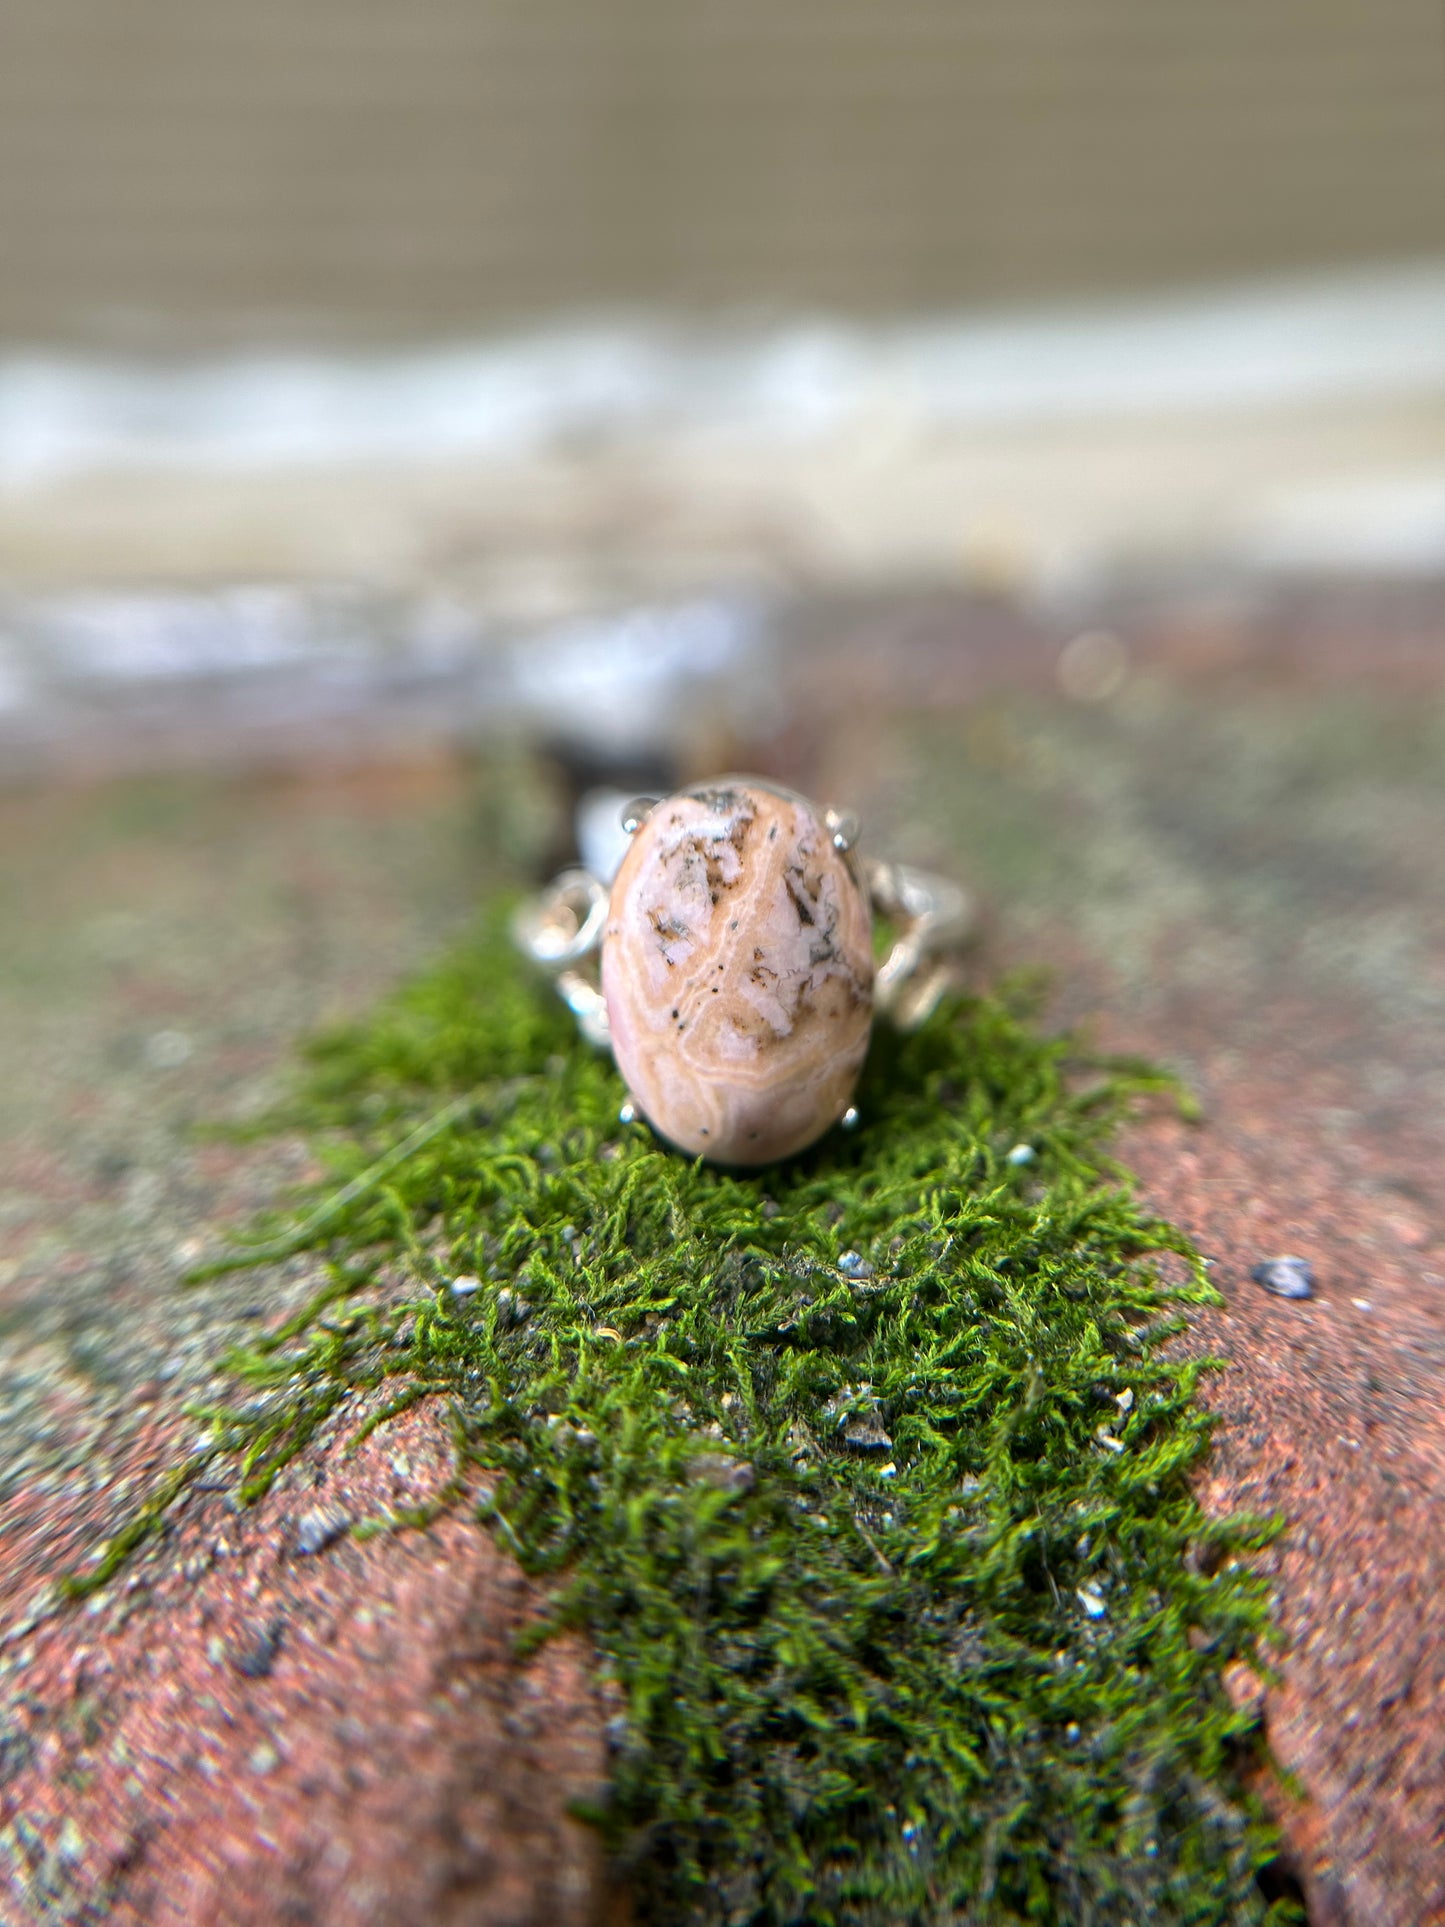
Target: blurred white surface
(1324,339)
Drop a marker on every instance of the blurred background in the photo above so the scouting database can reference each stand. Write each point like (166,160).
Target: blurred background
(343,346)
(414,421)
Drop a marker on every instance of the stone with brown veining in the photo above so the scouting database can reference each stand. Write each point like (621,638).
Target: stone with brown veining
(738,971)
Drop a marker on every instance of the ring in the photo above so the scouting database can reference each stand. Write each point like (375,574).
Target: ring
(729,963)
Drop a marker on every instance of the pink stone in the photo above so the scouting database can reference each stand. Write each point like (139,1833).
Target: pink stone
(737,966)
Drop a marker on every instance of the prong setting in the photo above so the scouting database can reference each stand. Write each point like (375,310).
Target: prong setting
(636,813)
(562,931)
(936,918)
(843,827)
(564,924)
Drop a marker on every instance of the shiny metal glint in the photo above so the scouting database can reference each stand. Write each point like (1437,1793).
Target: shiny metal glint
(562,931)
(935,918)
(637,813)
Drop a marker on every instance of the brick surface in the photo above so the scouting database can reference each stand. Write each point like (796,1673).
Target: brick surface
(1230,860)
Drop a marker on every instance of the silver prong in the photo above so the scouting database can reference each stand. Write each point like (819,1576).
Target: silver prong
(563,925)
(843,827)
(637,812)
(628,1113)
(849,1119)
(587,1005)
(562,931)
(936,919)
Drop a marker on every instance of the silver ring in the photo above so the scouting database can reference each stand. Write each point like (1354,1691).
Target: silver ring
(729,963)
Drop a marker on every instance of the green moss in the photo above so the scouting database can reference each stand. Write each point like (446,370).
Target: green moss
(868,1475)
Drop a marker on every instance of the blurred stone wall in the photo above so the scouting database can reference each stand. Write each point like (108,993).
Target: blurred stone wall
(367,167)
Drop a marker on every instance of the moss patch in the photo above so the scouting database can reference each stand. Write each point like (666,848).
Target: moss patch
(867,1475)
